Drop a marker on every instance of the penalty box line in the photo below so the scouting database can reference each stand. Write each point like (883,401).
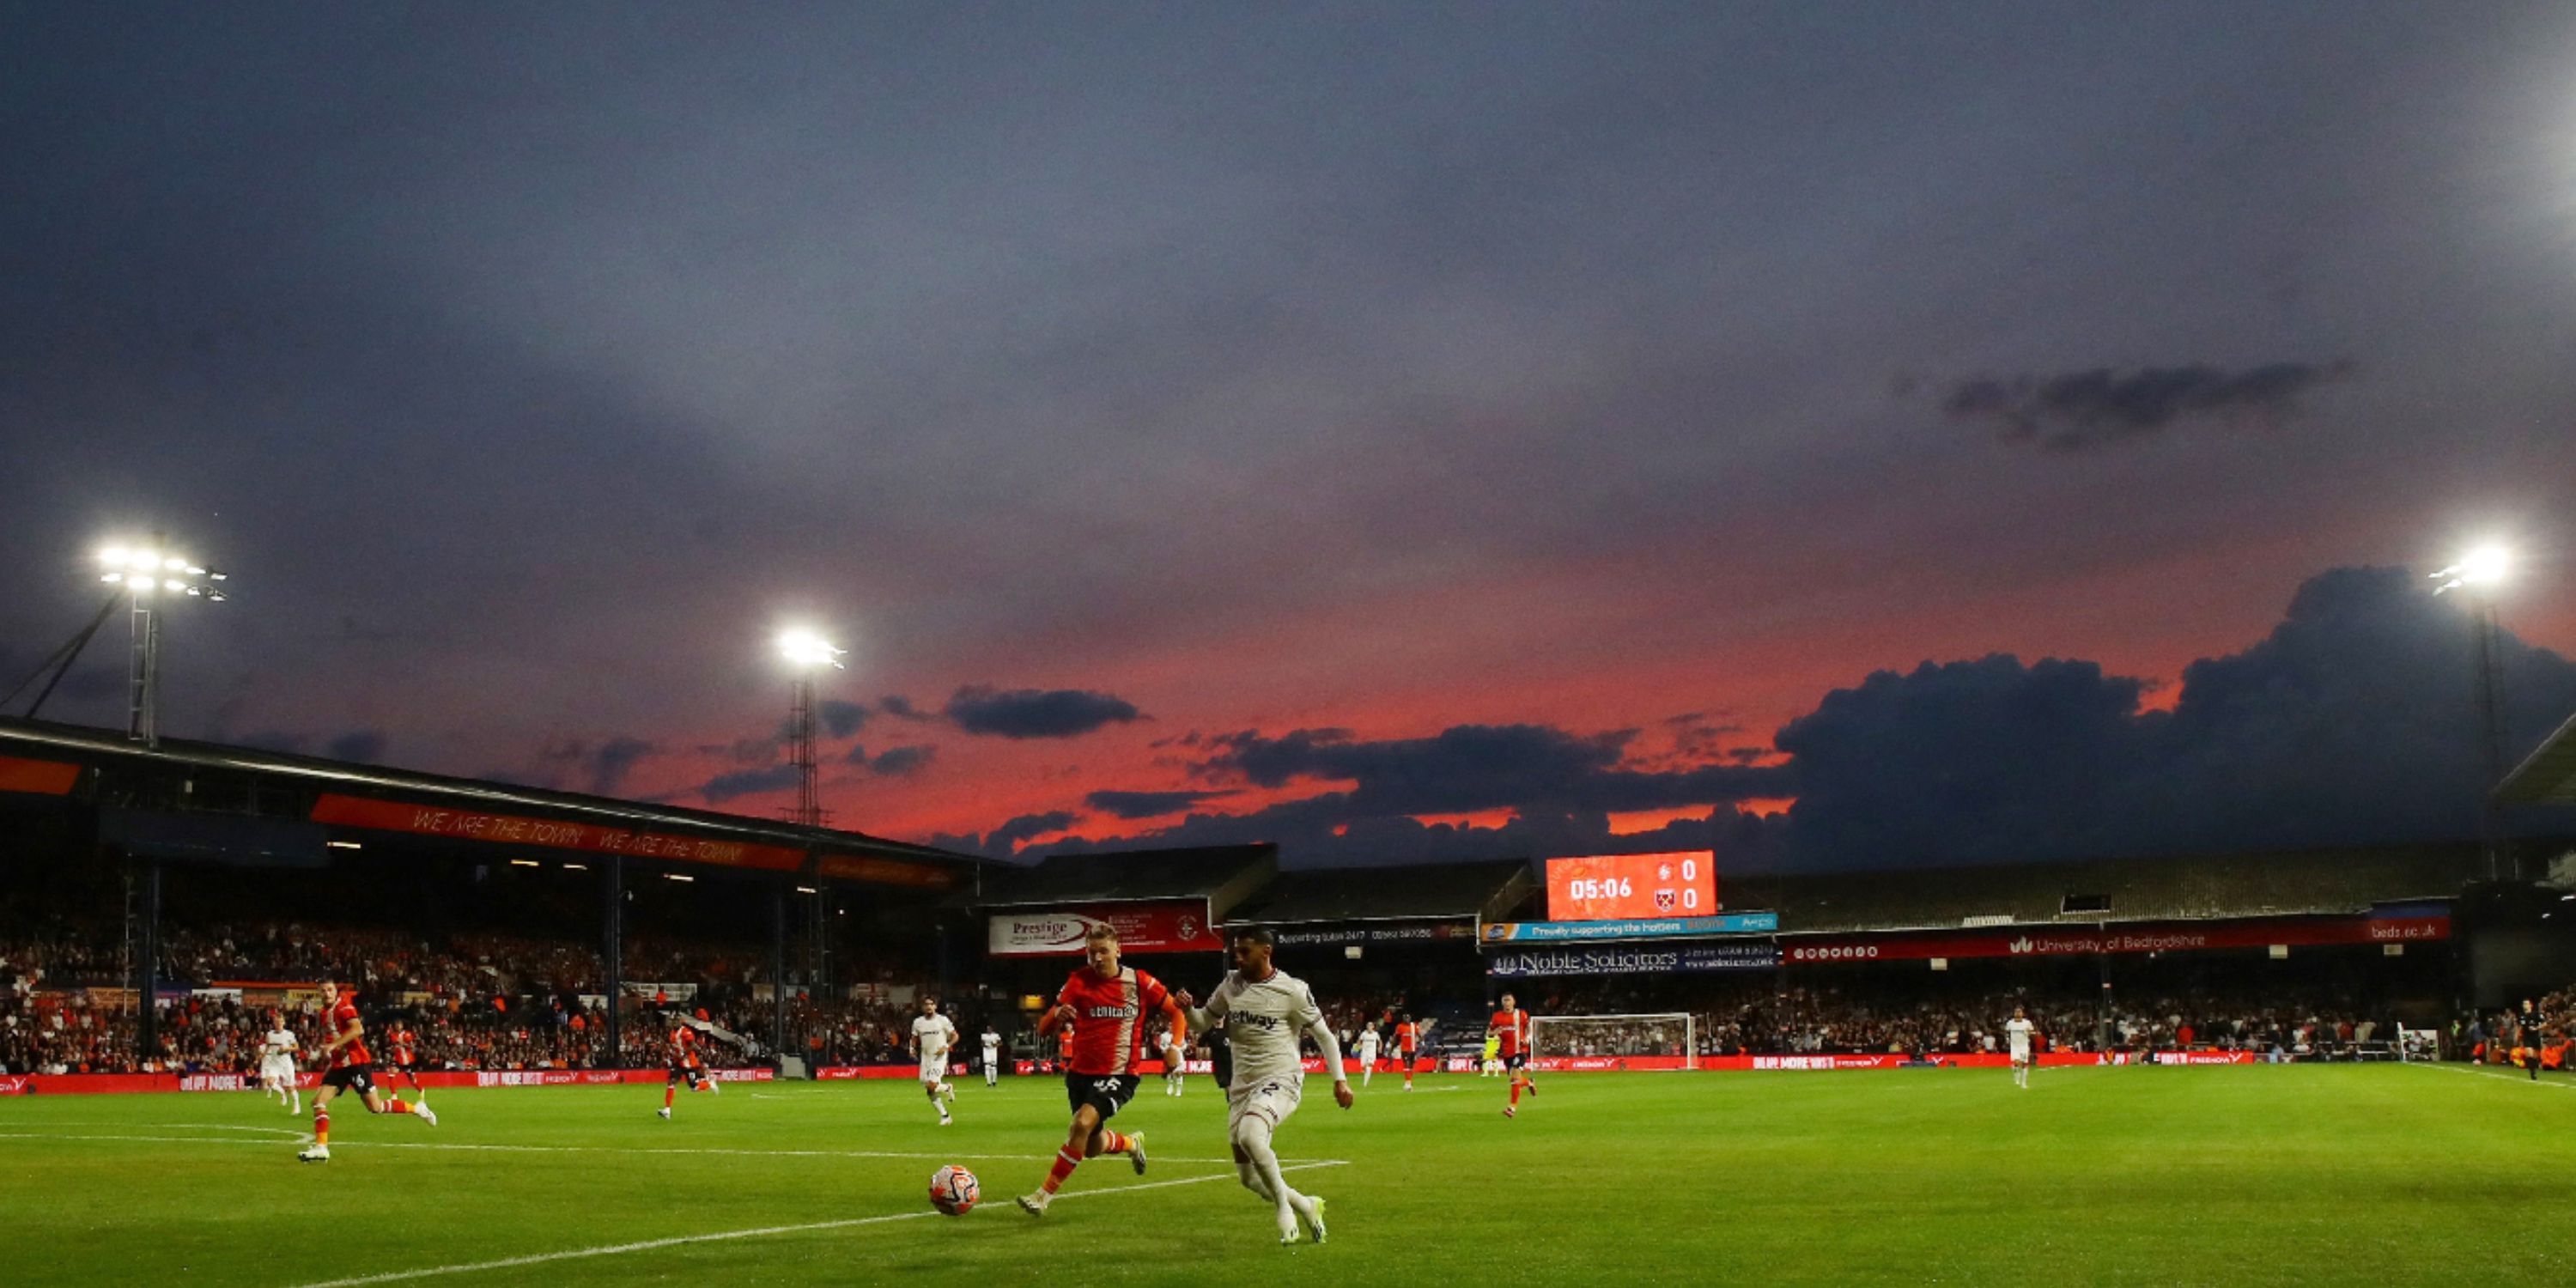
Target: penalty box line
(648,1245)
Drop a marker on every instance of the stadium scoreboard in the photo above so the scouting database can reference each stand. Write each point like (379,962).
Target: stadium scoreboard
(1615,887)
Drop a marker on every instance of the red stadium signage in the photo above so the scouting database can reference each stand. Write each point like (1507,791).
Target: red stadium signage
(852,867)
(508,829)
(2141,937)
(37,777)
(1619,887)
(93,1083)
(1161,926)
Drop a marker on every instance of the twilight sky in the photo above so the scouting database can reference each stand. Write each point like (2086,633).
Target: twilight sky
(1394,431)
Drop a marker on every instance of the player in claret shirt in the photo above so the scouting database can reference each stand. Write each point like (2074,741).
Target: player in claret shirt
(1509,1030)
(351,1069)
(1109,1009)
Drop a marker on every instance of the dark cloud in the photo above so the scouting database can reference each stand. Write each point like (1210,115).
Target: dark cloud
(747,782)
(841,719)
(2085,409)
(366,746)
(1036,713)
(613,760)
(746,751)
(1470,768)
(903,762)
(1010,835)
(2350,723)
(901,708)
(1136,805)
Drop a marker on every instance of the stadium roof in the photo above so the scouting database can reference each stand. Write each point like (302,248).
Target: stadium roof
(1487,891)
(2547,776)
(182,777)
(1222,874)
(2192,887)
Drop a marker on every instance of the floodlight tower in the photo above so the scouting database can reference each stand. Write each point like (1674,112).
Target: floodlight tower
(809,653)
(151,573)
(2479,573)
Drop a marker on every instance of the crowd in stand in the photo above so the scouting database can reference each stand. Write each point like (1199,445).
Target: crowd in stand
(2534,1036)
(501,1002)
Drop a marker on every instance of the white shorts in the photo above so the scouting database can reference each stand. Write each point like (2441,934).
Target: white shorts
(935,1070)
(2021,1057)
(281,1070)
(1270,1100)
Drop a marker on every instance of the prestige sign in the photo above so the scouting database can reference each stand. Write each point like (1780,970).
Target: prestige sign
(1166,926)
(1680,959)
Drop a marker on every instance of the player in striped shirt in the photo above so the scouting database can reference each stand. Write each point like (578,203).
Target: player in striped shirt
(1108,1008)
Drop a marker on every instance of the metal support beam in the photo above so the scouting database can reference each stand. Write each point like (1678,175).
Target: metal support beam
(612,958)
(822,981)
(147,962)
(778,964)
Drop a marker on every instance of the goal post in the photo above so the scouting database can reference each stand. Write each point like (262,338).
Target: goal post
(1569,1036)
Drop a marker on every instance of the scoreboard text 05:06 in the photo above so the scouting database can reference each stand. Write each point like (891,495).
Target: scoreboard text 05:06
(1619,887)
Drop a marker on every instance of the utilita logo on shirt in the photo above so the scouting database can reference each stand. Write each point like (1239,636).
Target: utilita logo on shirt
(1112,1012)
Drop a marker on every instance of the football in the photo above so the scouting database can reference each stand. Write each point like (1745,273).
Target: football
(953,1190)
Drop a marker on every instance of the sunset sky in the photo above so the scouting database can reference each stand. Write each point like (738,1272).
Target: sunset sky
(1397,431)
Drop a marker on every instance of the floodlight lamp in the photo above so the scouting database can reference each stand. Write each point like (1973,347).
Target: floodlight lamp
(113,556)
(113,578)
(805,648)
(174,563)
(2486,565)
(144,559)
(174,585)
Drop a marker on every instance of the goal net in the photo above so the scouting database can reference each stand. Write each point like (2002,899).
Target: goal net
(1579,1036)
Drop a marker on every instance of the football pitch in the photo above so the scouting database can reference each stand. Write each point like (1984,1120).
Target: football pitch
(2264,1175)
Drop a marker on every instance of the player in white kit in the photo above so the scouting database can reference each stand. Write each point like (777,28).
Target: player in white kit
(277,1067)
(2018,1031)
(932,1036)
(1264,1010)
(1367,1042)
(992,1057)
(1174,1063)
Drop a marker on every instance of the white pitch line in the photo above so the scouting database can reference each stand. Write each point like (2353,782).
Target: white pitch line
(2507,1077)
(648,1245)
(597,1149)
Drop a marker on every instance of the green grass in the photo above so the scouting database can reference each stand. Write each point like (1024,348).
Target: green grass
(2374,1174)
